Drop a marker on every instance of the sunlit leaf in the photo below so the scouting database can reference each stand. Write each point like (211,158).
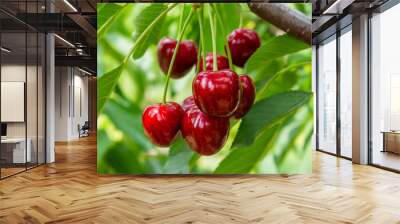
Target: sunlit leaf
(275,48)
(104,143)
(266,112)
(143,21)
(108,14)
(229,12)
(105,86)
(244,159)
(106,11)
(265,72)
(108,81)
(132,83)
(128,122)
(288,73)
(123,160)
(179,158)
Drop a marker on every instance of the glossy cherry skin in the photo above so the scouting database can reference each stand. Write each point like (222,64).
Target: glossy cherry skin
(204,134)
(222,62)
(188,103)
(161,122)
(217,93)
(185,59)
(247,97)
(243,43)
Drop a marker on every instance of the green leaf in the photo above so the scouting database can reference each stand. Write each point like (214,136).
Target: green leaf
(123,160)
(264,73)
(229,12)
(128,122)
(288,73)
(275,48)
(106,15)
(103,143)
(179,159)
(105,11)
(244,159)
(266,112)
(105,86)
(144,19)
(293,137)
(107,82)
(132,83)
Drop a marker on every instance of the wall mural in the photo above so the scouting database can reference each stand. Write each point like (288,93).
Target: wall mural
(201,89)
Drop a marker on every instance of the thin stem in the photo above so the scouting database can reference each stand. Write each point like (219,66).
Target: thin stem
(214,38)
(200,16)
(175,53)
(181,18)
(221,23)
(240,19)
(199,59)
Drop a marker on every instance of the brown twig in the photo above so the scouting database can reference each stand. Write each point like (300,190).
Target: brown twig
(287,19)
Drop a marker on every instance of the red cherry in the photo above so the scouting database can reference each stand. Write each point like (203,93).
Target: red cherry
(243,43)
(222,62)
(217,93)
(247,97)
(204,134)
(188,103)
(186,56)
(162,122)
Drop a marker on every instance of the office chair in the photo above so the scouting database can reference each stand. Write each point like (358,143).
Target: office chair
(84,130)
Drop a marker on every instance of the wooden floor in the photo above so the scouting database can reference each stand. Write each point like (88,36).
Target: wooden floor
(70,191)
(10,171)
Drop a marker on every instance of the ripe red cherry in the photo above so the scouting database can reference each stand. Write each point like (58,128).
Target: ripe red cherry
(188,103)
(247,97)
(243,43)
(217,93)
(222,62)
(186,56)
(204,134)
(162,122)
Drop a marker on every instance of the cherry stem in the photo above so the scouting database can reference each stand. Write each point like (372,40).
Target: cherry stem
(199,59)
(181,18)
(181,32)
(240,19)
(214,38)
(221,23)
(200,16)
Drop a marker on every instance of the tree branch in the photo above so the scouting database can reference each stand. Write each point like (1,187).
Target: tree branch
(289,20)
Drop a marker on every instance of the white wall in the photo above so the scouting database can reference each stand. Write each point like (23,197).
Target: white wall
(33,126)
(62,81)
(71,94)
(16,73)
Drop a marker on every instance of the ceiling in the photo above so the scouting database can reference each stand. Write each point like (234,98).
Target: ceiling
(330,15)
(74,22)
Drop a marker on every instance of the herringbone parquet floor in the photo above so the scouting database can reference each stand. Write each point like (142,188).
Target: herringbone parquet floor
(70,191)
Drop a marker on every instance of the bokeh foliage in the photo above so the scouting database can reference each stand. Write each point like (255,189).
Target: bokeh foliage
(275,137)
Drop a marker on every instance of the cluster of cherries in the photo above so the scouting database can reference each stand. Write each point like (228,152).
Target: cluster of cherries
(218,95)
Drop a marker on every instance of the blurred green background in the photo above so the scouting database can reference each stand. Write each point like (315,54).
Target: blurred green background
(282,144)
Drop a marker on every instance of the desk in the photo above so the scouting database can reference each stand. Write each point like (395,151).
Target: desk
(18,150)
(391,141)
